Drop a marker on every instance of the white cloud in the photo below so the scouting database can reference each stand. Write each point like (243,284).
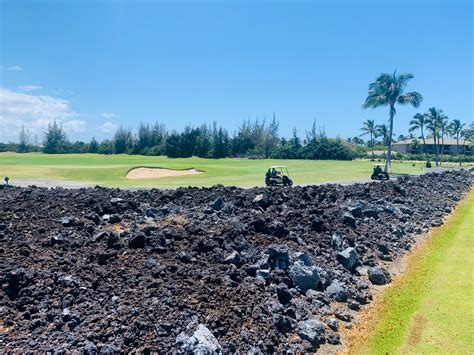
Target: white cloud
(13,67)
(74,126)
(108,127)
(20,105)
(34,112)
(29,87)
(108,114)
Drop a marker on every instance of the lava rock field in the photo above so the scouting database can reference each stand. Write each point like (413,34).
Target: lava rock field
(218,269)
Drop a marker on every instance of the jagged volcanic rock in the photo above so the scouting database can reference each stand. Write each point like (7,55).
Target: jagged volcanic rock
(212,268)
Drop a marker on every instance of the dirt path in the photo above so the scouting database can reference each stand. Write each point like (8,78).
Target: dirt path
(71,184)
(65,184)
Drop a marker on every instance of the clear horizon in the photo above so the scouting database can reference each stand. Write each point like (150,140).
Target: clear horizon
(97,65)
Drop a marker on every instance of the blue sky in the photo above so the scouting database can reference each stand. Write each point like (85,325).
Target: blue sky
(95,65)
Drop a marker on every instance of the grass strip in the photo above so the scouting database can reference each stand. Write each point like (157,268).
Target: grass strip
(429,308)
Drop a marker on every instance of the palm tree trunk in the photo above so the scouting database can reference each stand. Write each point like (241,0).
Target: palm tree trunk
(442,143)
(464,148)
(372,144)
(424,143)
(442,147)
(438,162)
(388,166)
(457,148)
(437,149)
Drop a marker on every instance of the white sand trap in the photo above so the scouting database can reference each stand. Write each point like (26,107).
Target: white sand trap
(156,173)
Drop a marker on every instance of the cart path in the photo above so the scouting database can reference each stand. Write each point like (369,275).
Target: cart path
(65,184)
(71,184)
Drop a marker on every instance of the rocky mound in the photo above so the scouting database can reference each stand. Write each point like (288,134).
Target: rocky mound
(217,269)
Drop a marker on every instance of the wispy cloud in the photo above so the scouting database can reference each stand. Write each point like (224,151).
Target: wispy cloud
(13,68)
(108,114)
(34,112)
(29,87)
(62,92)
(108,127)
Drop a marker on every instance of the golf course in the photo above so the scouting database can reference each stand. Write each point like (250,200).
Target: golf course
(111,170)
(236,177)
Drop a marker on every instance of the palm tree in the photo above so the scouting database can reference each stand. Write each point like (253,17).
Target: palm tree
(388,90)
(368,127)
(467,134)
(455,128)
(382,131)
(419,122)
(434,119)
(444,128)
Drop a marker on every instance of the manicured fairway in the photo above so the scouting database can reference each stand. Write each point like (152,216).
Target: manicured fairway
(110,170)
(430,309)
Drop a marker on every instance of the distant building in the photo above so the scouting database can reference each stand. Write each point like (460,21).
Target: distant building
(450,146)
(376,152)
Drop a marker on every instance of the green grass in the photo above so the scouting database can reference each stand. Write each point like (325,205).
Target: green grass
(430,309)
(111,170)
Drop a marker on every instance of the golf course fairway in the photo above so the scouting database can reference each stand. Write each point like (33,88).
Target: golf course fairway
(429,308)
(112,170)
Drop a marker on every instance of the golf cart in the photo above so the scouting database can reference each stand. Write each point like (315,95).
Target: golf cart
(379,173)
(278,176)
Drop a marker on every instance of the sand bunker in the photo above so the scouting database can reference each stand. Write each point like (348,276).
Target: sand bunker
(156,173)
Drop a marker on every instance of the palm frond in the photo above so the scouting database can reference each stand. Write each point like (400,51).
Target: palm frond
(383,80)
(375,99)
(368,127)
(410,98)
(433,113)
(418,122)
(403,79)
(455,127)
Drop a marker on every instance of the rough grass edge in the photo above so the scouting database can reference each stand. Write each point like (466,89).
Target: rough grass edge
(376,323)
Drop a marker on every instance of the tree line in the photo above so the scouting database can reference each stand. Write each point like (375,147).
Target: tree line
(438,125)
(433,124)
(255,139)
(388,90)
(252,139)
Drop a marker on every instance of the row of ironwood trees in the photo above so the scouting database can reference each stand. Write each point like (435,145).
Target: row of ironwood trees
(253,139)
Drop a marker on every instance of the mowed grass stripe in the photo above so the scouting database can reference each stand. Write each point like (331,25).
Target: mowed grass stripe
(429,309)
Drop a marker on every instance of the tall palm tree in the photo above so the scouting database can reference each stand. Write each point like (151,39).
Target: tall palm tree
(443,128)
(419,122)
(434,119)
(455,128)
(368,127)
(382,131)
(388,90)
